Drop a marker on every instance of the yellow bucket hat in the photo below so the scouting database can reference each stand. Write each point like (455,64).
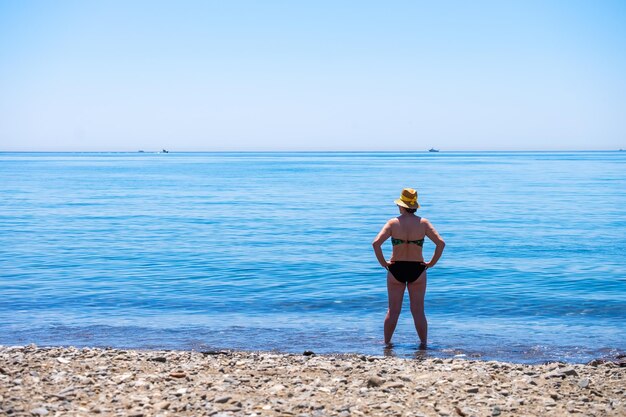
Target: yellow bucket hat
(408,199)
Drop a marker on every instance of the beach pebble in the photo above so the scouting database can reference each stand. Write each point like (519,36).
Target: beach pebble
(223,399)
(460,412)
(162,405)
(561,373)
(584,383)
(178,374)
(277,388)
(375,381)
(472,390)
(40,411)
(569,371)
(549,402)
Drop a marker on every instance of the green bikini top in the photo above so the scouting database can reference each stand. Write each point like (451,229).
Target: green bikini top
(394,241)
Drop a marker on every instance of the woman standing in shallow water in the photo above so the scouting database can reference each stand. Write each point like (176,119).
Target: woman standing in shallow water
(407,268)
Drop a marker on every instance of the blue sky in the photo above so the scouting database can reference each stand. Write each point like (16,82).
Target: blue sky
(318,75)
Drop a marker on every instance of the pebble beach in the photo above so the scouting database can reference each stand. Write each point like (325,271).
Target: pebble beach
(67,381)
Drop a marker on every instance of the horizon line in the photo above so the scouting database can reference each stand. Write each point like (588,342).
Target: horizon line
(315,151)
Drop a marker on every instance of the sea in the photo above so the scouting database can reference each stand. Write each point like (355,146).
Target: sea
(272,251)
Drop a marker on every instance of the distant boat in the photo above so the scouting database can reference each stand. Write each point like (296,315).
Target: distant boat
(140,151)
(433,150)
(165,151)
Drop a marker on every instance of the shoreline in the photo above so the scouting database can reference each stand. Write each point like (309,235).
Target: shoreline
(67,381)
(399,350)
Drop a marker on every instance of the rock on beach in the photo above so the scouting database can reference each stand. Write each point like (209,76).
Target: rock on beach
(65,381)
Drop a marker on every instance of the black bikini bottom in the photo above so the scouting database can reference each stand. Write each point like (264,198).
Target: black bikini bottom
(406,271)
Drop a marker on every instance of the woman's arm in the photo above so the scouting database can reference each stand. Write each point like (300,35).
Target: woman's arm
(383,235)
(437,240)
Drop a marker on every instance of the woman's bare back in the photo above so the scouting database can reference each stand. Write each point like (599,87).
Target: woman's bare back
(411,230)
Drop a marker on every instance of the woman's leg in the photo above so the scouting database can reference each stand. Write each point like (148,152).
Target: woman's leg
(395,291)
(417,290)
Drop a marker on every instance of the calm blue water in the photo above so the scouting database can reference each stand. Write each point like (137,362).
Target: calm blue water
(272,251)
